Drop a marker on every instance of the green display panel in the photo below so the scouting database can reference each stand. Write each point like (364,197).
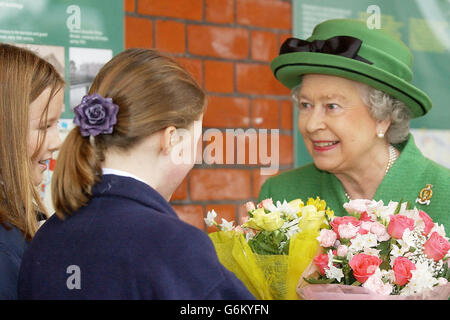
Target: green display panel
(423,25)
(76,36)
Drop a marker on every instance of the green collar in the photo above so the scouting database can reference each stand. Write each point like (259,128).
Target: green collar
(410,157)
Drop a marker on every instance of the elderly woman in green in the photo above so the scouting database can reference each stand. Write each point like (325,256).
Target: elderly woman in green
(352,88)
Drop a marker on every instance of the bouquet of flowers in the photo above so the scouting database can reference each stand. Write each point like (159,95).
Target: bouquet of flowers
(379,252)
(270,250)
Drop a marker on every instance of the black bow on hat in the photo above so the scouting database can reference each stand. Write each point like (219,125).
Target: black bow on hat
(345,46)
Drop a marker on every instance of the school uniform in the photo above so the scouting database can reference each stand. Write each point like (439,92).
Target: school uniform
(12,247)
(127,243)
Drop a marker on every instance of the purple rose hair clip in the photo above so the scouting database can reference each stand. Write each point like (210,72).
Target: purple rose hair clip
(95,115)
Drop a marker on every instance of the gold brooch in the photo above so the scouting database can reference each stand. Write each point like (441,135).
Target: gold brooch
(425,195)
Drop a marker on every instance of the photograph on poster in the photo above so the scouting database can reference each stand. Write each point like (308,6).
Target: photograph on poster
(83,66)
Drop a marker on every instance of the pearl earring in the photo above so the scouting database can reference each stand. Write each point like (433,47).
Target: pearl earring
(380,135)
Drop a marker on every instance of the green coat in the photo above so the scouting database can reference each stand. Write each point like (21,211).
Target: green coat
(406,178)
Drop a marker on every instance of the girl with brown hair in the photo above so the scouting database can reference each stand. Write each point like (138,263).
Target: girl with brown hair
(31,100)
(114,235)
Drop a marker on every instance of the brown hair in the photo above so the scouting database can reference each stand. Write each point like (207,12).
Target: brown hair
(23,77)
(152,91)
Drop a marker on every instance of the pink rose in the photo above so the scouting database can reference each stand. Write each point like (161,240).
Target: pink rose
(398,224)
(429,224)
(342,250)
(250,206)
(364,265)
(327,238)
(347,231)
(322,262)
(380,231)
(266,204)
(402,270)
(337,221)
(436,247)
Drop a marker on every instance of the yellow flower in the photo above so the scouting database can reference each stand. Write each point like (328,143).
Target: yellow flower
(265,221)
(311,212)
(296,204)
(319,204)
(329,213)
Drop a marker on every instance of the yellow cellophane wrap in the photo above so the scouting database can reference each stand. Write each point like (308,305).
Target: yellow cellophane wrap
(269,277)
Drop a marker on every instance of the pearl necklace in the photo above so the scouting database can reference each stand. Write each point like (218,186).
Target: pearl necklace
(392,158)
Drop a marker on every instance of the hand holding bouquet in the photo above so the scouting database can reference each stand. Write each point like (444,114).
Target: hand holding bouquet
(271,248)
(382,251)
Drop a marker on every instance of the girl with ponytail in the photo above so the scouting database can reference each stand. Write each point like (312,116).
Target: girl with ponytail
(114,234)
(31,101)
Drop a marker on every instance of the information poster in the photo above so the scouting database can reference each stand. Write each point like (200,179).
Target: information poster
(78,37)
(424,27)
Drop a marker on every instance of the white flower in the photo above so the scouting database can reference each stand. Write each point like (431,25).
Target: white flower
(421,279)
(373,207)
(291,227)
(226,226)
(334,273)
(288,210)
(386,211)
(376,284)
(409,238)
(210,218)
(362,241)
(372,252)
(399,251)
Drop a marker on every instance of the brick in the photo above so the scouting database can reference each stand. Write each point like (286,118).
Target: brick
(219,76)
(129,5)
(226,211)
(192,214)
(258,79)
(194,67)
(287,113)
(138,33)
(181,192)
(184,9)
(219,184)
(220,11)
(170,36)
(264,45)
(265,113)
(227,112)
(258,181)
(264,13)
(220,42)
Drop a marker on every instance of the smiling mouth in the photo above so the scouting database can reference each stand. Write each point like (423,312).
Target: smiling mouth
(322,145)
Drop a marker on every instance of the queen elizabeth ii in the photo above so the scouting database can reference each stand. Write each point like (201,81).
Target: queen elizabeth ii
(352,87)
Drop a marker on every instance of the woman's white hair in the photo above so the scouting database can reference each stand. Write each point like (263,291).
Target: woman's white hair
(382,106)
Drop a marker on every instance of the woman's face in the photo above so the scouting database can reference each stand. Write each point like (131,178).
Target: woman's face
(335,123)
(52,142)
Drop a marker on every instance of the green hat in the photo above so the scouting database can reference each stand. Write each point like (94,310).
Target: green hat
(348,48)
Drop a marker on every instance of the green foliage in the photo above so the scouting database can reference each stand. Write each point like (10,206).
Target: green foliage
(269,242)
(318,281)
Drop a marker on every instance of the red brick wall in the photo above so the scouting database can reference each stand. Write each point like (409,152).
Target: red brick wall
(227,45)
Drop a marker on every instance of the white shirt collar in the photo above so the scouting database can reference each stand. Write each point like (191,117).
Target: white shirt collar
(121,173)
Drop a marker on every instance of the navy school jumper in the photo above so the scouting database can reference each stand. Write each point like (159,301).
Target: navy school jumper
(127,243)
